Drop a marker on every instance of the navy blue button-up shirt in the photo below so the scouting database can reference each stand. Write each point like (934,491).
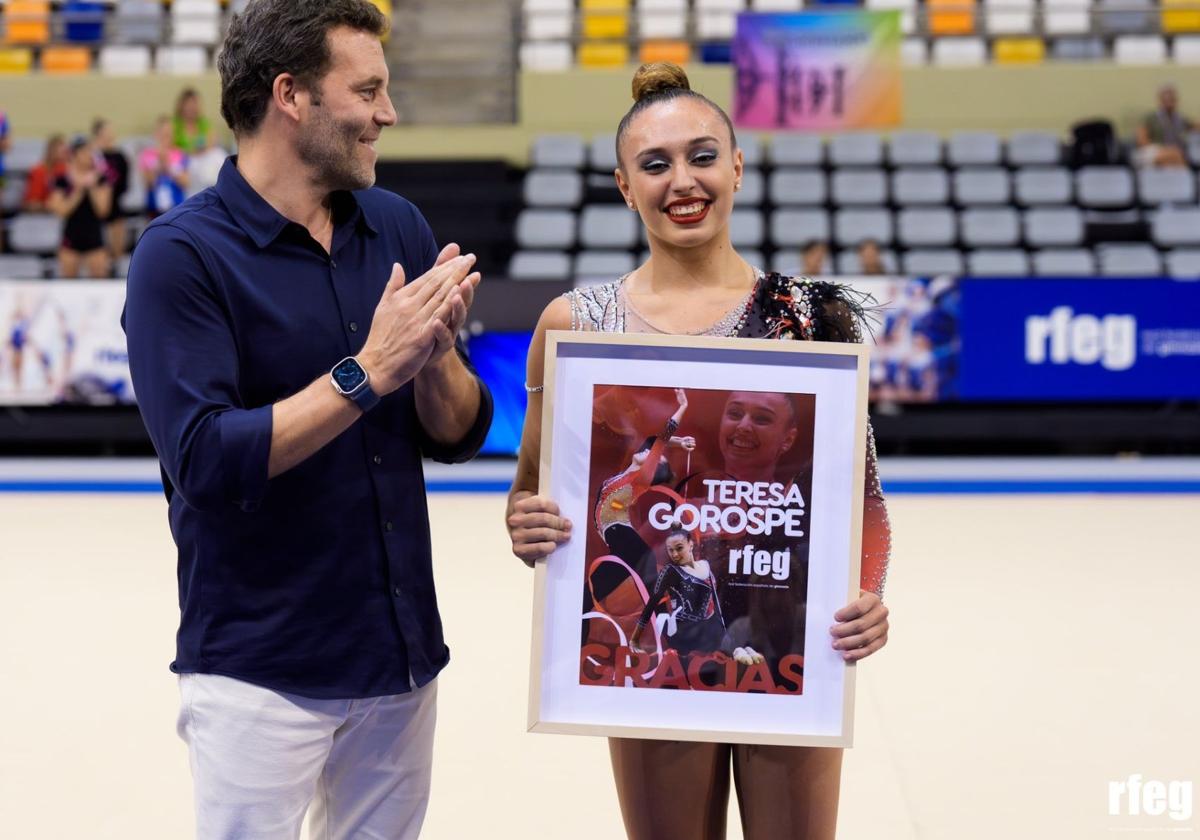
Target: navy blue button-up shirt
(319,581)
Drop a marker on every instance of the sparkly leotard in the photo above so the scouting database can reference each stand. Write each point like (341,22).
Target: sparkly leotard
(787,308)
(692,602)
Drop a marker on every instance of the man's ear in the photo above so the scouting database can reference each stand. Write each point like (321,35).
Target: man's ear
(288,96)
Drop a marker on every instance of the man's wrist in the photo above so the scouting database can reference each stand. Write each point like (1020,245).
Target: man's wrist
(371,365)
(439,368)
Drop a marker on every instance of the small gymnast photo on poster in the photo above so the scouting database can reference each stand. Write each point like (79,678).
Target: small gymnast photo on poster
(715,486)
(696,566)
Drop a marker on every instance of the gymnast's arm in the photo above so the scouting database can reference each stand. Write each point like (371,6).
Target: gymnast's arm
(660,590)
(862,625)
(534,524)
(645,475)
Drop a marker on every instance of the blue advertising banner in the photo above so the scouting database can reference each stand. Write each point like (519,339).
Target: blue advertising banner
(1093,339)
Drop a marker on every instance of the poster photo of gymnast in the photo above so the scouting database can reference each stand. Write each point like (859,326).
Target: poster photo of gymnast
(697,548)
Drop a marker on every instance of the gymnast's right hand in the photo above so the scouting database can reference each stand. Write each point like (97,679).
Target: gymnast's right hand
(535,526)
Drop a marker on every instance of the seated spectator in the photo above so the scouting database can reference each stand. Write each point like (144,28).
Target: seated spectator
(190,128)
(193,134)
(44,172)
(870,260)
(164,169)
(1162,137)
(116,167)
(82,197)
(813,257)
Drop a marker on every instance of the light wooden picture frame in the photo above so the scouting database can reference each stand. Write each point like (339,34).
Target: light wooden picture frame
(603,393)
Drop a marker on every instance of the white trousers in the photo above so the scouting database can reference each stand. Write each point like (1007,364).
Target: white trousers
(260,757)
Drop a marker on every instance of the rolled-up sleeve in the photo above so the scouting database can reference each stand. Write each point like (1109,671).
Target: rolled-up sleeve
(184,365)
(470,444)
(468,447)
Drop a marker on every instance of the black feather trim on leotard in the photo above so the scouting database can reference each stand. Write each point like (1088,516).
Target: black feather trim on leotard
(805,309)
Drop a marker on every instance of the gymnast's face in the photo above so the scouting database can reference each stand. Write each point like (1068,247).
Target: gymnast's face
(347,110)
(678,168)
(756,429)
(679,550)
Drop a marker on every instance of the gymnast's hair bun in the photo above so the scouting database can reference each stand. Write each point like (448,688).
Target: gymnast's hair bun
(659,77)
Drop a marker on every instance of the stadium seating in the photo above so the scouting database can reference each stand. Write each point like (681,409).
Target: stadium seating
(558,34)
(974,202)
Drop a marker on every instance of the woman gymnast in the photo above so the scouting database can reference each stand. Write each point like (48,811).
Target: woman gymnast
(679,167)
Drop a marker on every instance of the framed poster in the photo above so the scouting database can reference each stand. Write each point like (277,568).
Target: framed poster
(716,491)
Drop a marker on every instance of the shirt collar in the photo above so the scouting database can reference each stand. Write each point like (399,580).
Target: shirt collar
(262,221)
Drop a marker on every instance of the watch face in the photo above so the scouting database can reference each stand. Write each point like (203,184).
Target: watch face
(349,375)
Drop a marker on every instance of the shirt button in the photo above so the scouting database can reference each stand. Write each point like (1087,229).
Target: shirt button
(333,263)
(353,325)
(396,591)
(378,459)
(387,526)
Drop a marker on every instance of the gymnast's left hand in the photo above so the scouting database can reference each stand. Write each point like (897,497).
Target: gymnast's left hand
(862,627)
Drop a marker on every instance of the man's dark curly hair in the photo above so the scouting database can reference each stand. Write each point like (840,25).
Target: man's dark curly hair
(282,36)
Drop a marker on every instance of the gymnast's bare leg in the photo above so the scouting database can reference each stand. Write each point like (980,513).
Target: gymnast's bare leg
(671,790)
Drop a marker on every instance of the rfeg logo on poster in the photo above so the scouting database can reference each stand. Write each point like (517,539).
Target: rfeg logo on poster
(1079,339)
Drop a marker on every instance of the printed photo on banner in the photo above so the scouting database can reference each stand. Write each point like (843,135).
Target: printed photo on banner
(715,486)
(62,343)
(697,558)
(817,71)
(915,338)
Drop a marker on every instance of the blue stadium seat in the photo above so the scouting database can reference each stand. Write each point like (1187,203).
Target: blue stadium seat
(998,262)
(852,226)
(797,186)
(793,227)
(926,262)
(540,265)
(1053,226)
(927,185)
(983,227)
(926,226)
(914,148)
(859,186)
(1064,262)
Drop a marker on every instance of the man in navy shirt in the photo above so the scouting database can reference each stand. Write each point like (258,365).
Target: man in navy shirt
(292,341)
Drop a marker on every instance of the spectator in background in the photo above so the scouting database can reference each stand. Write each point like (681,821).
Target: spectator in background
(870,259)
(5,142)
(82,198)
(116,167)
(44,172)
(1162,137)
(164,170)
(813,256)
(190,128)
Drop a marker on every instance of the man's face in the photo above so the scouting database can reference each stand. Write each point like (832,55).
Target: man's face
(756,429)
(346,112)
(1168,98)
